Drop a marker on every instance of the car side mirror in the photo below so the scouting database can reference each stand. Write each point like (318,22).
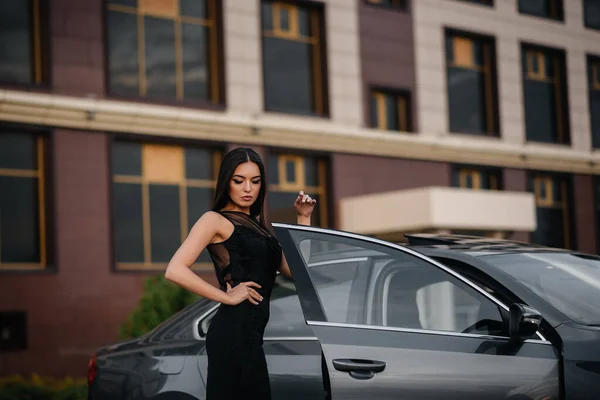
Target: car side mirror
(523,322)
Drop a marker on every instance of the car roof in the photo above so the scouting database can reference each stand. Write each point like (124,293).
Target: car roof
(473,244)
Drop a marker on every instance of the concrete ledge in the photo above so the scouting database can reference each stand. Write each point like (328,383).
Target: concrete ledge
(438,208)
(289,131)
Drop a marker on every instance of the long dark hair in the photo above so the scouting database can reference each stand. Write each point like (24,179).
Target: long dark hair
(230,162)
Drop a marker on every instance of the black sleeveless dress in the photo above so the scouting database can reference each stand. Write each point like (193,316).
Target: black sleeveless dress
(237,367)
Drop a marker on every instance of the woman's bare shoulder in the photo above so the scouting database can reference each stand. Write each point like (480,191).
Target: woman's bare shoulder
(217,224)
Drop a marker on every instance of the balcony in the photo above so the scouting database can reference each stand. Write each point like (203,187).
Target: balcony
(438,209)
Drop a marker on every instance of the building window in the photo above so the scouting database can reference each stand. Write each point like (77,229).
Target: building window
(294,67)
(552,197)
(545,95)
(13,330)
(163,49)
(22,46)
(476,178)
(471,74)
(594,94)
(158,193)
(591,12)
(489,3)
(287,175)
(390,110)
(550,9)
(597,208)
(394,4)
(24,216)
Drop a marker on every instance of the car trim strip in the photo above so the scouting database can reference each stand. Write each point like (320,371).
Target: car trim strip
(406,250)
(421,331)
(290,338)
(342,261)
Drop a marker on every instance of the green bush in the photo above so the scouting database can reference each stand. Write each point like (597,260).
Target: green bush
(16,387)
(160,300)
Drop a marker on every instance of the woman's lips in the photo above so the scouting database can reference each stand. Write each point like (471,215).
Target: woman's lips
(247,198)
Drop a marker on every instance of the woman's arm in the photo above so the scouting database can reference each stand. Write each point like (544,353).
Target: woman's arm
(304,207)
(178,270)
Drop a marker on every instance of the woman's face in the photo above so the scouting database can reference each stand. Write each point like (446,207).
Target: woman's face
(244,185)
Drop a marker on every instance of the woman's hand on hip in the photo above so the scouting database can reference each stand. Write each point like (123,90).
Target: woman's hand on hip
(243,291)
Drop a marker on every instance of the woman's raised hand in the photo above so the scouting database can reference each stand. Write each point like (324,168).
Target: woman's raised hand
(304,204)
(243,291)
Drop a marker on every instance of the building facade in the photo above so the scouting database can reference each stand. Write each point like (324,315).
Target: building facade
(399,116)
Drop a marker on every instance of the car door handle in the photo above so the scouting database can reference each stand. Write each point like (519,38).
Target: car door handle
(359,369)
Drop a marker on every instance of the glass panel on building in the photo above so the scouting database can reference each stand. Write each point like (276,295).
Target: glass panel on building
(546,116)
(472,95)
(157,196)
(293,58)
(163,50)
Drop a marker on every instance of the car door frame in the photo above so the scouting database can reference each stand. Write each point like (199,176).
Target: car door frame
(301,276)
(315,315)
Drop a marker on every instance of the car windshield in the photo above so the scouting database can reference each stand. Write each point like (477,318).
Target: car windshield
(569,282)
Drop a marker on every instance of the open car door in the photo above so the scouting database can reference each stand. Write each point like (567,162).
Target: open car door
(394,324)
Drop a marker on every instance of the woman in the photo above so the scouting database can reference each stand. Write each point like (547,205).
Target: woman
(246,256)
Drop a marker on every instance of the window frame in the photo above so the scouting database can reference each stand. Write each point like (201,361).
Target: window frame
(215,62)
(402,99)
(482,3)
(285,186)
(45,204)
(397,5)
(463,172)
(488,68)
(184,183)
(317,40)
(310,300)
(557,11)
(40,49)
(532,52)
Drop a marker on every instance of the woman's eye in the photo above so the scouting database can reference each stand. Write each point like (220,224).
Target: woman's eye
(237,182)
(256,182)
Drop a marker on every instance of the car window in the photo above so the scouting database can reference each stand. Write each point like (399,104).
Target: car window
(180,325)
(286,318)
(360,282)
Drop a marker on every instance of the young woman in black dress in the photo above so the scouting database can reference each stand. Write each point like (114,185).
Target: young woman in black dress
(246,256)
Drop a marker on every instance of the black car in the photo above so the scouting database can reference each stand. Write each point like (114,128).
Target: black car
(443,317)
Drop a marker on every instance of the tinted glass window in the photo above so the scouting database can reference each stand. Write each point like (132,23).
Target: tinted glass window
(159,192)
(19,220)
(16,52)
(551,9)
(286,317)
(472,96)
(593,68)
(556,278)
(181,325)
(128,222)
(293,58)
(165,229)
(122,51)
(288,76)
(363,283)
(163,49)
(591,12)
